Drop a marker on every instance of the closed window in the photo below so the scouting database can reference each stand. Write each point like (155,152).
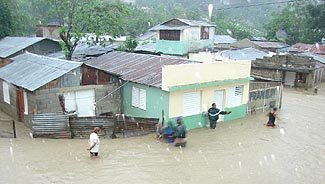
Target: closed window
(139,97)
(169,35)
(204,33)
(191,103)
(25,103)
(6,95)
(234,96)
(81,102)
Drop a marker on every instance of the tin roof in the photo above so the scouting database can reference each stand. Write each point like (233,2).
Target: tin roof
(314,56)
(224,39)
(84,52)
(302,47)
(148,35)
(140,68)
(169,25)
(243,54)
(195,22)
(266,44)
(149,47)
(31,71)
(12,45)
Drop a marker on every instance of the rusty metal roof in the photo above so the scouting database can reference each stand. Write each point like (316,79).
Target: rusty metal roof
(268,44)
(12,45)
(140,68)
(313,48)
(31,71)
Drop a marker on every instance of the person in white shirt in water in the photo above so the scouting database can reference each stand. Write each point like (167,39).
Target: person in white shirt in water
(94,143)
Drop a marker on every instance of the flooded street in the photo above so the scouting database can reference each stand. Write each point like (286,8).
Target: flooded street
(241,151)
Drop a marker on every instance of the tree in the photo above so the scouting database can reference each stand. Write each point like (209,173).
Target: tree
(129,45)
(6,19)
(78,17)
(11,19)
(302,21)
(225,25)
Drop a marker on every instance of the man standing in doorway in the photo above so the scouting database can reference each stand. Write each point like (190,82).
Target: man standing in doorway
(213,113)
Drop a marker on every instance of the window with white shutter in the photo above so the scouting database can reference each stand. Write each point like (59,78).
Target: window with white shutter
(139,98)
(6,95)
(234,96)
(135,97)
(191,103)
(142,99)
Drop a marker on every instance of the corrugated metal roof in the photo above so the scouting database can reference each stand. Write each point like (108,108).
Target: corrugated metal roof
(224,39)
(302,47)
(31,71)
(276,45)
(84,52)
(12,45)
(243,54)
(314,56)
(188,23)
(149,47)
(148,35)
(195,22)
(140,68)
(168,27)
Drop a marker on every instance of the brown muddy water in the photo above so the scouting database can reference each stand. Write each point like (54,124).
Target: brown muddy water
(241,151)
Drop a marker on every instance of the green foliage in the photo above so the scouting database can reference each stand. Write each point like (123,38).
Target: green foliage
(227,26)
(6,19)
(129,45)
(12,20)
(302,22)
(78,17)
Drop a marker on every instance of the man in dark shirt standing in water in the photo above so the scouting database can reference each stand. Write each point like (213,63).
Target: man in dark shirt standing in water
(213,113)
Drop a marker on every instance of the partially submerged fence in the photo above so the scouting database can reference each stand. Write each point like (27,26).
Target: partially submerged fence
(54,125)
(51,125)
(7,128)
(112,126)
(264,95)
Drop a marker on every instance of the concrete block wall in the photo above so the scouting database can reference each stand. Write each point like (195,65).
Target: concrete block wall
(111,103)
(268,73)
(282,61)
(47,101)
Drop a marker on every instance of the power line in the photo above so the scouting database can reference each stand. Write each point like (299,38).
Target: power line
(254,5)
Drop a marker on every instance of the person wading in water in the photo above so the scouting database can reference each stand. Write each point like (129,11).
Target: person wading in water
(94,143)
(213,114)
(272,116)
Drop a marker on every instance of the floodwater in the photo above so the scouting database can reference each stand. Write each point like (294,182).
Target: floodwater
(241,151)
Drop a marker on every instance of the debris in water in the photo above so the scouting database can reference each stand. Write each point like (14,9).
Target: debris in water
(282,131)
(11,151)
(261,163)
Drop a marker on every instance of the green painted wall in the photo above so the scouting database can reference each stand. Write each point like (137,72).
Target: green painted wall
(200,120)
(194,121)
(172,47)
(181,47)
(208,84)
(237,112)
(156,101)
